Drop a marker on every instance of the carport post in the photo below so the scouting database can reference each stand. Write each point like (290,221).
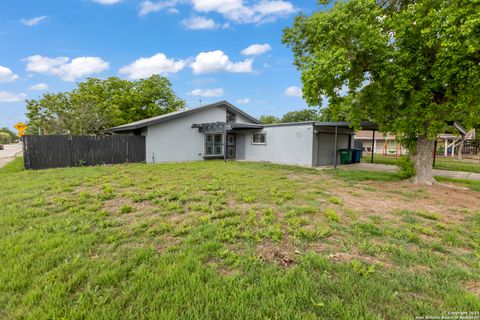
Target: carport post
(335,149)
(373,144)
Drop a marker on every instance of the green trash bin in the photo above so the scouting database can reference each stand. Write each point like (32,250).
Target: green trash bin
(345,156)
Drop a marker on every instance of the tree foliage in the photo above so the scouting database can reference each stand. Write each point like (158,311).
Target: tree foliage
(407,65)
(7,136)
(268,119)
(98,104)
(301,115)
(292,116)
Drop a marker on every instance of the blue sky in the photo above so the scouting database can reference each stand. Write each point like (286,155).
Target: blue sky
(209,49)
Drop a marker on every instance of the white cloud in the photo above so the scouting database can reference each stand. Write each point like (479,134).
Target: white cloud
(33,21)
(217,92)
(216,61)
(6,75)
(39,87)
(173,11)
(201,81)
(66,69)
(201,23)
(107,1)
(237,11)
(243,101)
(11,97)
(148,6)
(157,64)
(256,49)
(293,91)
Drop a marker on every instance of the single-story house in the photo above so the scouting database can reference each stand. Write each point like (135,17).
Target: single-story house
(380,143)
(221,130)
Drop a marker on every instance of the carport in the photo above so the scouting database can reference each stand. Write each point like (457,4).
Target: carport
(331,135)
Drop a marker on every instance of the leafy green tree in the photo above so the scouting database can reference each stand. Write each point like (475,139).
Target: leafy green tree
(268,119)
(7,136)
(301,115)
(407,65)
(49,114)
(98,104)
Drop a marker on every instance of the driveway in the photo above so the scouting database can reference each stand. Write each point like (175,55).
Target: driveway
(391,168)
(8,154)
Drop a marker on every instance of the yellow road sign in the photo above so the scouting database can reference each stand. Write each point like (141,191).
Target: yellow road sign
(21,127)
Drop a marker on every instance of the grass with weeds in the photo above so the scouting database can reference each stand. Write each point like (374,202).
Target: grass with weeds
(361,175)
(472,184)
(13,166)
(214,240)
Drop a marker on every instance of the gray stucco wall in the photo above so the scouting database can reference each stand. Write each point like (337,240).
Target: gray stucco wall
(176,140)
(292,144)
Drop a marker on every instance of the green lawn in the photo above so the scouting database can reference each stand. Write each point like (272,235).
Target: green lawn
(209,240)
(442,163)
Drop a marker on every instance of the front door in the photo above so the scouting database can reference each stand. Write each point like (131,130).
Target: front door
(231,146)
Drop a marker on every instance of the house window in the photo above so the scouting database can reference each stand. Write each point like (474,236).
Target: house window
(213,144)
(259,138)
(231,118)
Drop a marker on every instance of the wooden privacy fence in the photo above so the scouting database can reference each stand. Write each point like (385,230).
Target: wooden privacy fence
(41,152)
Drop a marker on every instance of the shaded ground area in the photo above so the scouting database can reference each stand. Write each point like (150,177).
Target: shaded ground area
(393,168)
(235,240)
(442,163)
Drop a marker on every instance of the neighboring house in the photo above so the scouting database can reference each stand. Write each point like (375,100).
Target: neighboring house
(447,143)
(387,144)
(221,130)
(383,143)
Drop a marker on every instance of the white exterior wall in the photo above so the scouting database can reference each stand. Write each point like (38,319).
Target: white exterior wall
(241,119)
(176,140)
(291,144)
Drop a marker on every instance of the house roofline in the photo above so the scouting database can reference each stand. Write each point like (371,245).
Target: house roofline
(178,114)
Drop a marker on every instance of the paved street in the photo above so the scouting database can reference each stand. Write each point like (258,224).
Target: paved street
(8,154)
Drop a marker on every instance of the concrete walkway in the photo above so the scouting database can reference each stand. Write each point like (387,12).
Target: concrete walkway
(392,168)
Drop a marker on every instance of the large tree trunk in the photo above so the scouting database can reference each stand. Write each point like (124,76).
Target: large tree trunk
(423,161)
(460,148)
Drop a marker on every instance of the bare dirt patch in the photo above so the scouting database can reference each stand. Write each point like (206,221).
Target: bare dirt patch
(394,196)
(283,253)
(473,286)
(346,257)
(167,242)
(114,205)
(218,265)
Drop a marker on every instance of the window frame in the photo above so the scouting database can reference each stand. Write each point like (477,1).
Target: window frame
(213,144)
(264,134)
(229,113)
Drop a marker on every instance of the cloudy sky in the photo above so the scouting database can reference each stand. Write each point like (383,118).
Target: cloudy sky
(210,49)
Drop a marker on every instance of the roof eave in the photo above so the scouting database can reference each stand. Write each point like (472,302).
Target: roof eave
(148,122)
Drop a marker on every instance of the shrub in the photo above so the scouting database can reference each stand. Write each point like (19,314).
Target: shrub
(407,170)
